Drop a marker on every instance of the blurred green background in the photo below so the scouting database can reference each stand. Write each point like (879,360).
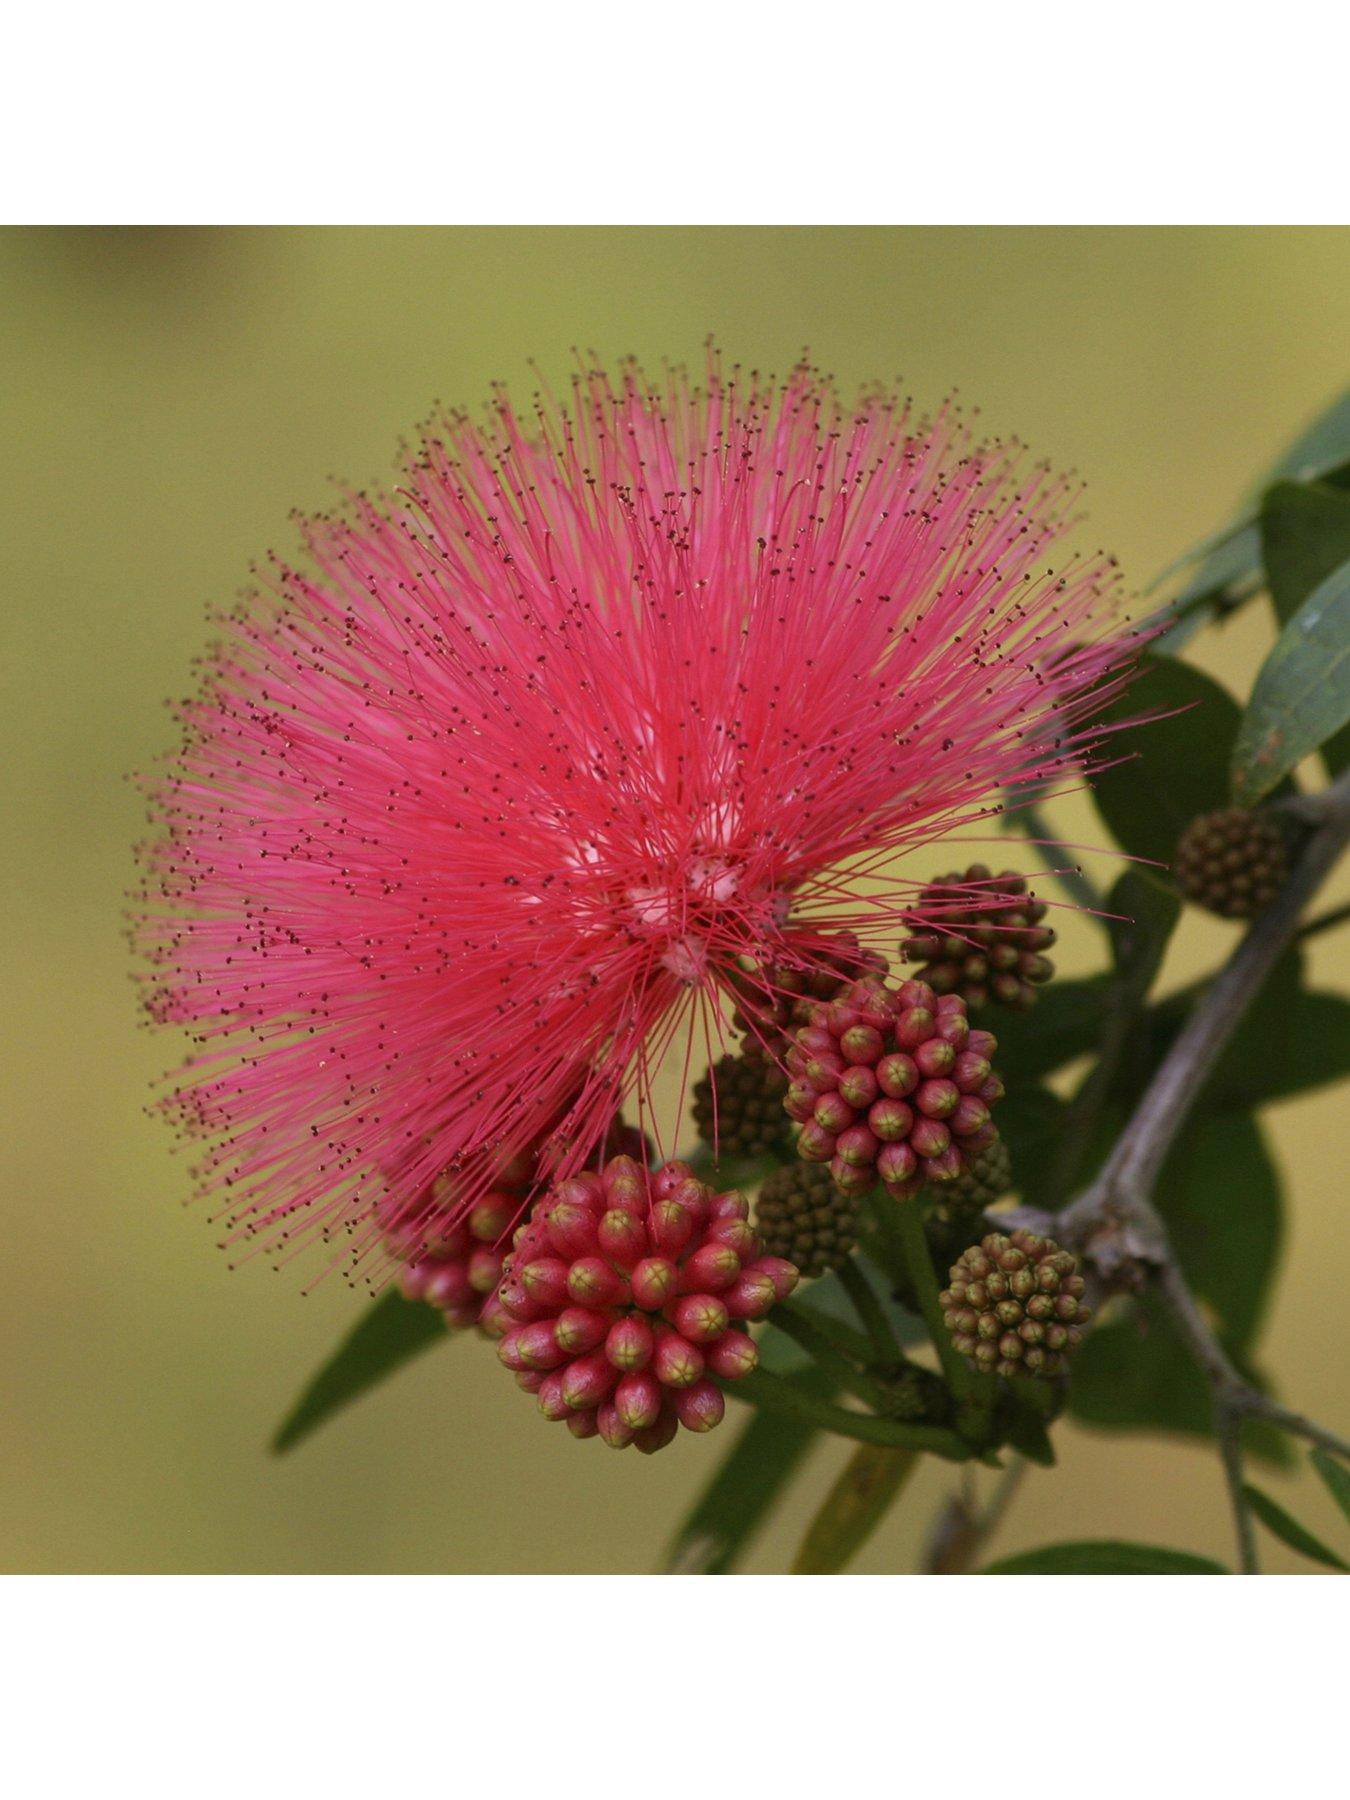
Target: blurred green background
(169,397)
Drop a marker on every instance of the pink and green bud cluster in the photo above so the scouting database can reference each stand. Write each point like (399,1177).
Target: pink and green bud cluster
(456,1268)
(892,1086)
(773,999)
(626,1300)
(453,1250)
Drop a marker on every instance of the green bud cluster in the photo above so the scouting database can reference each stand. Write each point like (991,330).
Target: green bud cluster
(1015,1304)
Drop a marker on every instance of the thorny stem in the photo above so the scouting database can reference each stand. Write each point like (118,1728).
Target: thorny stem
(1114,1223)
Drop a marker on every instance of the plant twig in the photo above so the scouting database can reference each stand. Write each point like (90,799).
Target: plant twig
(962,1530)
(1114,1224)
(1326,921)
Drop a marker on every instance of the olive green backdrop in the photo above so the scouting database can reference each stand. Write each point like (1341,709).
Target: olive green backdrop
(168,398)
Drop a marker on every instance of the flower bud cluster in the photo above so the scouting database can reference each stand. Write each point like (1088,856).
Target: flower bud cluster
(983,948)
(1015,1304)
(456,1267)
(802,1216)
(738,1106)
(892,1085)
(1233,861)
(627,1294)
(773,1000)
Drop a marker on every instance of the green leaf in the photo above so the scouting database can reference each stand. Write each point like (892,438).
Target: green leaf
(1178,765)
(1028,1436)
(766,1454)
(1321,451)
(1302,694)
(1289,1531)
(1145,912)
(1105,1556)
(1306,537)
(1335,1477)
(1065,1022)
(1229,574)
(1030,1121)
(1220,1195)
(1290,1041)
(857,1503)
(390,1334)
(1135,1374)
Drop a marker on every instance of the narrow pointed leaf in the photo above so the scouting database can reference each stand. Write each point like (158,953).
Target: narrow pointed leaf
(1105,1556)
(718,1531)
(391,1333)
(1229,574)
(1275,1519)
(1302,695)
(1305,534)
(857,1503)
(1336,1479)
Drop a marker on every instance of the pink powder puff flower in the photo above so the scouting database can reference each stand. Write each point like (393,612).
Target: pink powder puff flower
(479,814)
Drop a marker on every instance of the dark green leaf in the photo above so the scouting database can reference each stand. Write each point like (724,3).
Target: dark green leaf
(1290,1041)
(390,1334)
(1289,1531)
(738,1499)
(1135,1374)
(1306,537)
(1302,694)
(1335,1477)
(1178,765)
(1145,912)
(1105,1556)
(1030,1121)
(866,1489)
(1028,1436)
(1065,1022)
(1220,1196)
